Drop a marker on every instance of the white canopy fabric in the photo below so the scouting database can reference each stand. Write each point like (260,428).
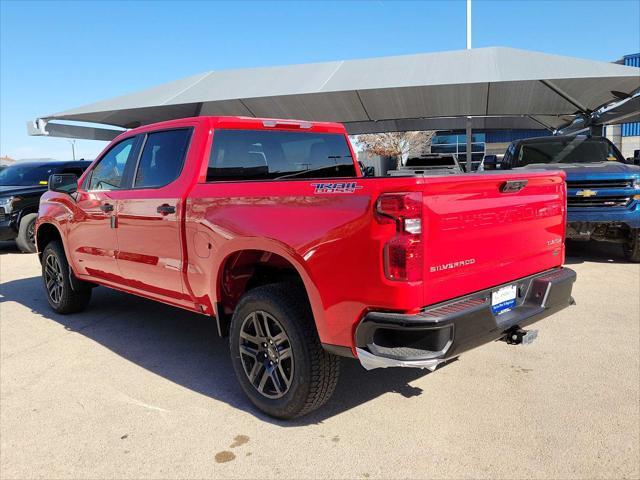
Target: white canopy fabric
(500,87)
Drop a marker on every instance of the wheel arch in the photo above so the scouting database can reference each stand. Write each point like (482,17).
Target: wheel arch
(26,211)
(45,233)
(249,266)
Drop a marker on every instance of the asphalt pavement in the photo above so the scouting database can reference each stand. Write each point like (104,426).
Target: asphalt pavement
(134,389)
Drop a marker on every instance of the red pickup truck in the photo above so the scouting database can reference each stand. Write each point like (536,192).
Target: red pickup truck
(269,227)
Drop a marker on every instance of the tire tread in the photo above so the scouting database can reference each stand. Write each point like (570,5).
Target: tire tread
(72,301)
(21,240)
(324,367)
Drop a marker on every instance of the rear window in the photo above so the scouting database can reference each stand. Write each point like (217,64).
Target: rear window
(264,155)
(573,150)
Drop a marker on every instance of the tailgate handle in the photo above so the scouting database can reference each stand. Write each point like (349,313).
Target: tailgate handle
(512,186)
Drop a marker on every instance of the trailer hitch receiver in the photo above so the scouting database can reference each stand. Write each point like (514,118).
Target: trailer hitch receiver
(518,336)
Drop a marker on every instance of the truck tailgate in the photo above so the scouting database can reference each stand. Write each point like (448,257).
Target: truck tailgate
(477,234)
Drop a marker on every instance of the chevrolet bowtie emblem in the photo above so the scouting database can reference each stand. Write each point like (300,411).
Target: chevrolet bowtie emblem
(586,193)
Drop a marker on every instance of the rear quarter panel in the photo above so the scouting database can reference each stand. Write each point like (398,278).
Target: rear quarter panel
(331,239)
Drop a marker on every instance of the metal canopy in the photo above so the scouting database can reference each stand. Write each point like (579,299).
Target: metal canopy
(623,111)
(500,87)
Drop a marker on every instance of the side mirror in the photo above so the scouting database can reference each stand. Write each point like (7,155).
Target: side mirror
(636,157)
(63,183)
(490,162)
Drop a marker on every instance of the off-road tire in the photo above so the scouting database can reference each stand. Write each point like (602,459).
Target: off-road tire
(67,299)
(315,371)
(25,239)
(632,247)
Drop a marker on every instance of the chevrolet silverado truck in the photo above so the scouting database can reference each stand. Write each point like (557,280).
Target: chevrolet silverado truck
(21,186)
(269,228)
(603,196)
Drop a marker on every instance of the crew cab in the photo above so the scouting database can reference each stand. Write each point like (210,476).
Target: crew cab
(21,186)
(603,189)
(268,227)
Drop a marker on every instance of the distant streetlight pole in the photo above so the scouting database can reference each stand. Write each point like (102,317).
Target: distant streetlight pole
(73,148)
(469,132)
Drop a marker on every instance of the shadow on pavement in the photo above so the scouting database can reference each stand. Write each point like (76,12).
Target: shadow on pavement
(599,252)
(184,348)
(8,247)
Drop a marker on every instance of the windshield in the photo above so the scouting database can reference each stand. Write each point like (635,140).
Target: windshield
(27,175)
(569,150)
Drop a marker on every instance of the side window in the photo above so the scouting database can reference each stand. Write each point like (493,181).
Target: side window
(108,173)
(162,158)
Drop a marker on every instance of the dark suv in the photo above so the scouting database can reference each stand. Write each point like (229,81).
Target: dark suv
(21,186)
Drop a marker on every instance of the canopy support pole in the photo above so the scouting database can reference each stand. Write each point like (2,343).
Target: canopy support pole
(469,132)
(468,24)
(566,96)
(547,127)
(469,122)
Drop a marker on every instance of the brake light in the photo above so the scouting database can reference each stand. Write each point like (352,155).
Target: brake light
(402,255)
(287,124)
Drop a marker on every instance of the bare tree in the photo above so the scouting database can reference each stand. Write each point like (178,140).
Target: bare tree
(396,144)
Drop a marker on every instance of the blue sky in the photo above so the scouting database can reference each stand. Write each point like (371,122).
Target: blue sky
(59,55)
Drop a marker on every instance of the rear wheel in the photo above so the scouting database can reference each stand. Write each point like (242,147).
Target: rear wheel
(276,352)
(632,247)
(26,239)
(63,297)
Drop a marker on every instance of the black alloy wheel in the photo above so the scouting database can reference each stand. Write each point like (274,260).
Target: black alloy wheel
(266,354)
(276,352)
(53,278)
(65,293)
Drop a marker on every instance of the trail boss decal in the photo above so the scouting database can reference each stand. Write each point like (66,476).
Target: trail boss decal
(336,187)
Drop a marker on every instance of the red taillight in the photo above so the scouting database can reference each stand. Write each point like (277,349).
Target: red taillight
(402,255)
(400,205)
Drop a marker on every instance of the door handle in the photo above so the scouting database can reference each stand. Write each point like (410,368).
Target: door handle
(166,209)
(106,207)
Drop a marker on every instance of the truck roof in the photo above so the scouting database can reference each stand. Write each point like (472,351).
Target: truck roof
(52,163)
(250,123)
